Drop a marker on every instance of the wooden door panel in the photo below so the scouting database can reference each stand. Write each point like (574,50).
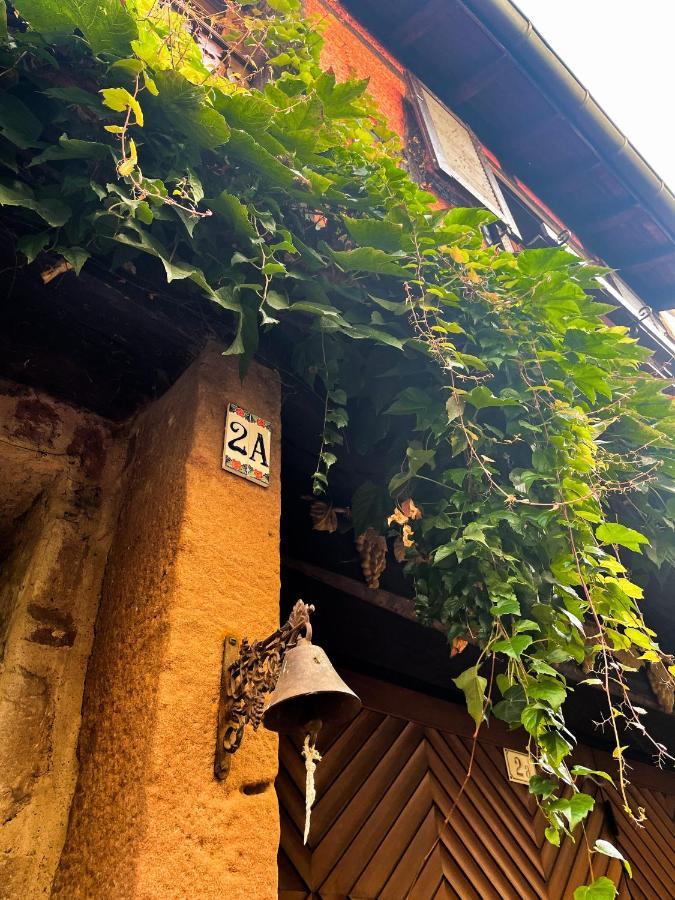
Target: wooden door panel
(385,789)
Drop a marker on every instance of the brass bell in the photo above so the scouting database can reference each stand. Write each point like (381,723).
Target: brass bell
(308,690)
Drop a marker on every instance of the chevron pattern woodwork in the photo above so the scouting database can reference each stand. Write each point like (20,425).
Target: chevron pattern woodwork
(385,787)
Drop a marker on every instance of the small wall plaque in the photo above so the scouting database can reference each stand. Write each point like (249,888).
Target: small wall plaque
(519,766)
(247,445)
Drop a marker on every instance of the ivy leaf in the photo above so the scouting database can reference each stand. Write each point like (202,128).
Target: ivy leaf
(72,148)
(482,397)
(454,407)
(235,214)
(540,262)
(107,26)
(368,259)
(17,122)
(552,835)
(397,307)
(283,6)
(575,809)
(418,458)
(473,686)
(370,505)
(639,638)
(337,97)
(248,331)
(119,99)
(444,550)
(410,401)
(607,849)
(187,108)
(542,787)
(127,166)
(614,533)
(469,361)
(601,889)
(513,647)
(248,111)
(556,749)
(506,606)
(250,154)
(76,256)
(175,269)
(534,719)
(584,771)
(31,245)
(16,193)
(378,335)
(550,690)
(476,532)
(541,667)
(318,309)
(510,708)
(74,95)
(375,233)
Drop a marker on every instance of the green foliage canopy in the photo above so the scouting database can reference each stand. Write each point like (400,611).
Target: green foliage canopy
(488,383)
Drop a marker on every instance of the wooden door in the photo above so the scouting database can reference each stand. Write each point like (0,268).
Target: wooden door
(388,781)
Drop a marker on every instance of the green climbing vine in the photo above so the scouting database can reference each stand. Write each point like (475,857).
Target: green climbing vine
(526,456)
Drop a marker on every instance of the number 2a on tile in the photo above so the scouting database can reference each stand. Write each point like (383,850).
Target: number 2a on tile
(246,450)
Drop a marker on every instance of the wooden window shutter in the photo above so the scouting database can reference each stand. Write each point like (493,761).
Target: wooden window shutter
(456,154)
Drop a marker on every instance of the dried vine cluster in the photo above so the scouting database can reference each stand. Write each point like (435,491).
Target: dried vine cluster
(536,448)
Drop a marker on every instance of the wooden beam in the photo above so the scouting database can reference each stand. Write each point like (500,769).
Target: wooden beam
(417,25)
(405,607)
(516,147)
(395,603)
(567,179)
(609,215)
(478,80)
(648,259)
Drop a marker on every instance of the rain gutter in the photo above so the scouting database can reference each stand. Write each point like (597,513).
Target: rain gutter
(543,66)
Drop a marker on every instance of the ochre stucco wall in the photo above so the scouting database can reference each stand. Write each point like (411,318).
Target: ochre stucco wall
(59,478)
(195,557)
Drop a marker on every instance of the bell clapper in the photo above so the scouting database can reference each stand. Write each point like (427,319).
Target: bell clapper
(312,757)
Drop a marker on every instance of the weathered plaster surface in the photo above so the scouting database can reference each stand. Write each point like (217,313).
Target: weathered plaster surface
(195,557)
(59,471)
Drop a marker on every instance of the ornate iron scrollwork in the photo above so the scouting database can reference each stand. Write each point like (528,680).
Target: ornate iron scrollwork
(250,672)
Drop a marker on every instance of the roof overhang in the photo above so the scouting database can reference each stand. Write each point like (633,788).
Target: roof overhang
(488,63)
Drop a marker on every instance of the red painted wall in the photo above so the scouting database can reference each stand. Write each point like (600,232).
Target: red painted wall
(352,53)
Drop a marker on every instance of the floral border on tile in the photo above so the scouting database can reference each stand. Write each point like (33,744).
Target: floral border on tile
(247,470)
(249,417)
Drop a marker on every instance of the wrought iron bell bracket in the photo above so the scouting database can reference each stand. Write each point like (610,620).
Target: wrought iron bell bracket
(249,672)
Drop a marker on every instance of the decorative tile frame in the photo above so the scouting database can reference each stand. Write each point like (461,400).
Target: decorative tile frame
(247,445)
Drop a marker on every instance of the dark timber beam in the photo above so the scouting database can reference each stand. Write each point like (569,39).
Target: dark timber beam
(609,215)
(481,78)
(516,147)
(404,606)
(417,25)
(648,259)
(569,178)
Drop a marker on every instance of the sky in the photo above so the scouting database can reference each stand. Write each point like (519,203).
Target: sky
(623,51)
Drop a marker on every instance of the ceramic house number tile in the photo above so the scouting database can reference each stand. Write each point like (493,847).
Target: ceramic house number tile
(246,451)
